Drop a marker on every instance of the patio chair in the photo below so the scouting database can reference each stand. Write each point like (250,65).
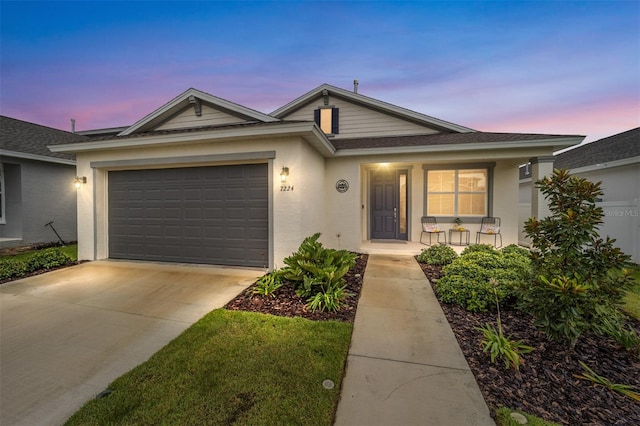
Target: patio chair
(490,226)
(430,226)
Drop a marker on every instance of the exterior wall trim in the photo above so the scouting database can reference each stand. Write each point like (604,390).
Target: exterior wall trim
(193,160)
(36,157)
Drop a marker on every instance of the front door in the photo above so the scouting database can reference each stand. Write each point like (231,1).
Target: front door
(388,195)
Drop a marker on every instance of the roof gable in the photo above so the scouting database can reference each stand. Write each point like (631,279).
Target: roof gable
(431,124)
(194,108)
(612,148)
(28,140)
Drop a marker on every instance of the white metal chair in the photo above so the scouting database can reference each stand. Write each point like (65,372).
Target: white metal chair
(490,226)
(430,227)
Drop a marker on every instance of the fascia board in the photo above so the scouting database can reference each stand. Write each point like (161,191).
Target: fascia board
(37,157)
(307,130)
(424,149)
(181,100)
(370,103)
(606,165)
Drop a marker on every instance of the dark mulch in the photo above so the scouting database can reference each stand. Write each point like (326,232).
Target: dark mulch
(286,303)
(546,385)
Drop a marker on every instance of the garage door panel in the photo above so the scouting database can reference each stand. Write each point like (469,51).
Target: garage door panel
(216,215)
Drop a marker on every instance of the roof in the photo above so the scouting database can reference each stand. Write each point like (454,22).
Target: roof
(369,103)
(617,147)
(194,96)
(443,139)
(28,140)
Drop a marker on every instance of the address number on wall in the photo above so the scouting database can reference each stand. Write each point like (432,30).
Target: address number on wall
(286,188)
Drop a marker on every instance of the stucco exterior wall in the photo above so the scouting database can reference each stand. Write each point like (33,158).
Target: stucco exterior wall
(39,192)
(295,213)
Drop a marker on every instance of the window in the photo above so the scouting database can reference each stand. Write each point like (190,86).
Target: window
(327,119)
(461,192)
(2,191)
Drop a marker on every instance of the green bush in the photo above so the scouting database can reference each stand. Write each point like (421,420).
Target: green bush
(579,277)
(478,247)
(268,284)
(516,249)
(10,269)
(467,280)
(48,259)
(437,255)
(317,273)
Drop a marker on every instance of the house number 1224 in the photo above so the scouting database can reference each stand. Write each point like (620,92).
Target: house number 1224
(286,188)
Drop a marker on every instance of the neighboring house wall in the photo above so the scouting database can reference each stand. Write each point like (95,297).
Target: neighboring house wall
(620,203)
(356,121)
(38,192)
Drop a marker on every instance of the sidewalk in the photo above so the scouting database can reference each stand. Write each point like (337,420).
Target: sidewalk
(404,365)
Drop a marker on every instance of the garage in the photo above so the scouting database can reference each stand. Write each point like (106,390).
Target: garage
(212,215)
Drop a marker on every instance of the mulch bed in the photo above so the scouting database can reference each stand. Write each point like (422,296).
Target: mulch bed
(546,385)
(286,303)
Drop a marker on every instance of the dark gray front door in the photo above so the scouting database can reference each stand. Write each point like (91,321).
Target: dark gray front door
(388,193)
(215,215)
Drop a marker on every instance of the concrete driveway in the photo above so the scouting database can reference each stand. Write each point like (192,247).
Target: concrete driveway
(65,335)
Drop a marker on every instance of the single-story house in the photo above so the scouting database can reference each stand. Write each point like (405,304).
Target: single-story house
(205,180)
(614,161)
(35,184)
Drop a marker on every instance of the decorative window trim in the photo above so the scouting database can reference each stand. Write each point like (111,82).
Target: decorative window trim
(335,116)
(489,166)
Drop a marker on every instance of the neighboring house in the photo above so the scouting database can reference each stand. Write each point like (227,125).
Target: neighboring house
(205,180)
(36,185)
(614,161)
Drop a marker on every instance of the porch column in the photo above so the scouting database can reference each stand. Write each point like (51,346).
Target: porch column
(540,167)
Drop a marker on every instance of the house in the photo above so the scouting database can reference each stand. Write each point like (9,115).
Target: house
(614,161)
(35,184)
(205,180)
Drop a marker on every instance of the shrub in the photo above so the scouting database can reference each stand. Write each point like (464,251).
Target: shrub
(48,259)
(517,250)
(10,269)
(466,281)
(478,247)
(315,270)
(578,276)
(268,284)
(437,255)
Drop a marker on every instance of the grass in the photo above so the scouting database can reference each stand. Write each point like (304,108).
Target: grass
(232,367)
(503,418)
(71,250)
(631,301)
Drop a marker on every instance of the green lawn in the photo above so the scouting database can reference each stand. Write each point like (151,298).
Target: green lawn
(233,367)
(632,299)
(70,250)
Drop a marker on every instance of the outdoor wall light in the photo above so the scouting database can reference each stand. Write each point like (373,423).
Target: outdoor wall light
(283,174)
(79,180)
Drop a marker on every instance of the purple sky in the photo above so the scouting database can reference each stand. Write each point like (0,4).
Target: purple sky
(567,67)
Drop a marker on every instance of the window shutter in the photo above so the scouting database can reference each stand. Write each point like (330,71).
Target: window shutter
(316,116)
(334,121)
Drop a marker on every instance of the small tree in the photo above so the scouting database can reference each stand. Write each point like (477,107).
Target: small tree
(578,277)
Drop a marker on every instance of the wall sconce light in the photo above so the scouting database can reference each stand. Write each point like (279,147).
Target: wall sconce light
(283,174)
(79,180)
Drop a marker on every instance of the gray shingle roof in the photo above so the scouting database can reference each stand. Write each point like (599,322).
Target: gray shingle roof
(439,139)
(617,147)
(29,138)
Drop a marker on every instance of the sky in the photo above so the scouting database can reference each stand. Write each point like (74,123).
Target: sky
(553,67)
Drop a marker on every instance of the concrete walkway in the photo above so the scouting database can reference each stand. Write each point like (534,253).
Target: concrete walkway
(405,366)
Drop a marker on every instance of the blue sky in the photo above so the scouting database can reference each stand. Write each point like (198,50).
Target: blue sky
(514,66)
